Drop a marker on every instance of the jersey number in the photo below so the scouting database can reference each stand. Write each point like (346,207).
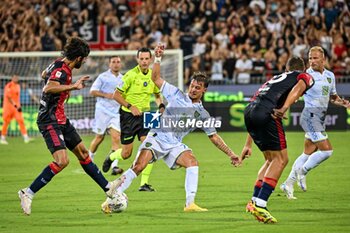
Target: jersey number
(275,79)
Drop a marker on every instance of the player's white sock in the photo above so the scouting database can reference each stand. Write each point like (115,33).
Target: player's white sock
(92,155)
(191,184)
(129,176)
(298,163)
(25,137)
(30,191)
(3,137)
(316,159)
(115,163)
(260,202)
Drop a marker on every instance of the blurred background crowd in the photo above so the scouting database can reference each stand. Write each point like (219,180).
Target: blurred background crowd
(235,41)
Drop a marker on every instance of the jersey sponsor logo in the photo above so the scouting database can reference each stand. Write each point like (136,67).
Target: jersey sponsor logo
(325,90)
(58,74)
(127,138)
(196,114)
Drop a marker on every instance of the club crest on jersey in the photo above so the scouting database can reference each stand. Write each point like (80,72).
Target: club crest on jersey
(329,80)
(145,84)
(58,74)
(196,114)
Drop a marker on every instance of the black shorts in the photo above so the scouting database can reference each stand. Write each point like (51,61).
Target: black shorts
(130,126)
(267,133)
(58,137)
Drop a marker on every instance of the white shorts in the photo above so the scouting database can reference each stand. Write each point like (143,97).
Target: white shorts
(314,126)
(104,121)
(160,150)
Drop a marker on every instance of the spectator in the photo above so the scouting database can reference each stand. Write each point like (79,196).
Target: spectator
(243,69)
(258,68)
(329,14)
(217,63)
(222,37)
(185,14)
(229,63)
(299,46)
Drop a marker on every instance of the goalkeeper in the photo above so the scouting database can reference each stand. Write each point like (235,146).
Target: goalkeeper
(135,96)
(12,109)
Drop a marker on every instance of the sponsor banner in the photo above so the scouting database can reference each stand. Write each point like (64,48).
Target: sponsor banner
(81,110)
(232,116)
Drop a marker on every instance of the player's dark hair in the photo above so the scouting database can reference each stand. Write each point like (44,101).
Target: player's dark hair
(111,57)
(75,47)
(201,77)
(144,50)
(295,63)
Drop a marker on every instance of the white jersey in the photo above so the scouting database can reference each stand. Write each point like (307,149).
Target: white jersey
(316,100)
(180,109)
(107,82)
(317,97)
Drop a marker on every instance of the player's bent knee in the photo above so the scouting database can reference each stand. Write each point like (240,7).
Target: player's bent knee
(327,153)
(138,168)
(62,163)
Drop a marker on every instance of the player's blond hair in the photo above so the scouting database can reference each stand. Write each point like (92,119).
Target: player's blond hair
(317,49)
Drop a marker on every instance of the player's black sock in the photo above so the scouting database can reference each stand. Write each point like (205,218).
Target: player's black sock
(265,191)
(92,170)
(44,177)
(257,188)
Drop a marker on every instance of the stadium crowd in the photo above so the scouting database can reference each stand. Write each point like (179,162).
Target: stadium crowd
(233,40)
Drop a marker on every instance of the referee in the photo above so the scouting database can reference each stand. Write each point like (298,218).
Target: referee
(135,96)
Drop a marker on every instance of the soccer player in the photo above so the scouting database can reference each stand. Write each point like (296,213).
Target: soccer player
(12,109)
(264,124)
(56,128)
(166,143)
(317,147)
(135,98)
(107,109)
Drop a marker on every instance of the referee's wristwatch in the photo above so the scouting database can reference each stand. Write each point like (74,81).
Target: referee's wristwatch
(128,106)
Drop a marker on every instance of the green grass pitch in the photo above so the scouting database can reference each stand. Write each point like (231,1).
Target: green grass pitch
(71,202)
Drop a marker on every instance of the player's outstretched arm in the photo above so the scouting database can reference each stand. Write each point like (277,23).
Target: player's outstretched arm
(221,145)
(55,86)
(335,99)
(247,149)
(158,52)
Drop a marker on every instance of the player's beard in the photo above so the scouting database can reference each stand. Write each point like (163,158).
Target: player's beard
(78,64)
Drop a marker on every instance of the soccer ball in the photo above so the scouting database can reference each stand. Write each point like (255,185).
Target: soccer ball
(117,204)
